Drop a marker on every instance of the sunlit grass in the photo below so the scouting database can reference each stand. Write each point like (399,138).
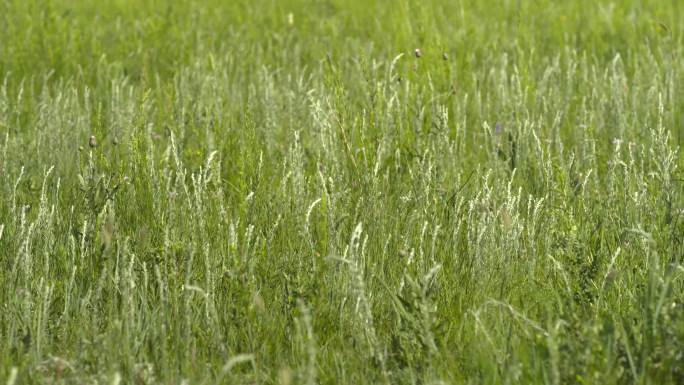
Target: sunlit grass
(285,192)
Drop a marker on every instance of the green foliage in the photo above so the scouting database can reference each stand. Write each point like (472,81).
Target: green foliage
(284,192)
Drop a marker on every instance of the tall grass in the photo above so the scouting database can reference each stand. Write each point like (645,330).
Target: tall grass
(281,192)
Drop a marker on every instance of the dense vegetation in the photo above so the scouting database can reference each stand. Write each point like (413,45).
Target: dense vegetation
(287,192)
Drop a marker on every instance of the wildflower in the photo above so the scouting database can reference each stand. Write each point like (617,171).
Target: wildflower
(417,53)
(92,142)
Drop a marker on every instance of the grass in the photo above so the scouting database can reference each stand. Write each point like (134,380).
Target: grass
(281,192)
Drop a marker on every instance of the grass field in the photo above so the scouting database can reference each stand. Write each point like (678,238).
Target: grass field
(287,192)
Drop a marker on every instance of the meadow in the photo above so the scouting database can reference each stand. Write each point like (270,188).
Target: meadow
(341,192)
